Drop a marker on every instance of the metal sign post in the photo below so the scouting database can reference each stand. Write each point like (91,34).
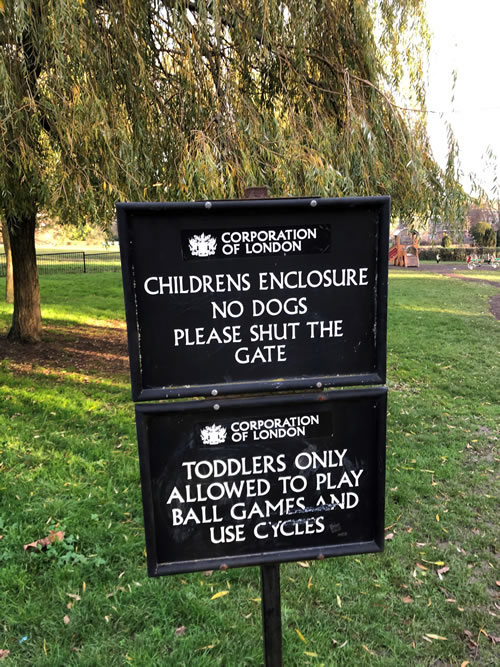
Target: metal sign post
(269,574)
(271,614)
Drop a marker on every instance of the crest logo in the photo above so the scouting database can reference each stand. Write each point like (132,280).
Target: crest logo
(202,245)
(213,435)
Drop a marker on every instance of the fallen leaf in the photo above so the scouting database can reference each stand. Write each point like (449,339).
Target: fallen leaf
(4,653)
(311,654)
(437,517)
(180,631)
(367,649)
(219,595)
(421,567)
(208,573)
(494,639)
(74,596)
(43,543)
(66,620)
(432,636)
(256,599)
(443,570)
(310,582)
(339,601)
(208,646)
(433,562)
(301,636)
(407,599)
(389,536)
(464,663)
(303,563)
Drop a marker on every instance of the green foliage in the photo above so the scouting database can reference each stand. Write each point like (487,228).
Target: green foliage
(446,241)
(455,254)
(483,234)
(490,237)
(151,100)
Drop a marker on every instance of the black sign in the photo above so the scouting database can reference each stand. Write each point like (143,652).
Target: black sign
(249,296)
(251,481)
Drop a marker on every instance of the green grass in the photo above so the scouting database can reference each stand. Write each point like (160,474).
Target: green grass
(68,461)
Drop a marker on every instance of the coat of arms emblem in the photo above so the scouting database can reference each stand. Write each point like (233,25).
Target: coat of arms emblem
(202,245)
(213,435)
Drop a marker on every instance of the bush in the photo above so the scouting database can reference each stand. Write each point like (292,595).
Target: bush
(490,238)
(446,241)
(454,254)
(483,234)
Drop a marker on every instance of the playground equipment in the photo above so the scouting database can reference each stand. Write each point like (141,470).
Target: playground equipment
(405,255)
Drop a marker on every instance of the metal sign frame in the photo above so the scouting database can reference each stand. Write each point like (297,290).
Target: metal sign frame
(200,215)
(210,410)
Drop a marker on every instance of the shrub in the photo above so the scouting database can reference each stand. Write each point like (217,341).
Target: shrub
(483,234)
(490,237)
(446,241)
(453,254)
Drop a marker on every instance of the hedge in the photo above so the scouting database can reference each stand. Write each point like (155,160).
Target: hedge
(454,254)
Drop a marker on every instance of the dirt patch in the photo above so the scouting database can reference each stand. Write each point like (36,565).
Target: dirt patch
(495,306)
(100,350)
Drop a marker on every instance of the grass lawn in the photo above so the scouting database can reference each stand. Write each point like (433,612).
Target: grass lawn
(68,462)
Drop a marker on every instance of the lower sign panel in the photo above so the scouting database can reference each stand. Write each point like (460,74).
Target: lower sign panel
(251,481)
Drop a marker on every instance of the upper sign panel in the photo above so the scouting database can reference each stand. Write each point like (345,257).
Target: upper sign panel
(246,296)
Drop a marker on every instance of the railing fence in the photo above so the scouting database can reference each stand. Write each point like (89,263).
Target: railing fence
(71,262)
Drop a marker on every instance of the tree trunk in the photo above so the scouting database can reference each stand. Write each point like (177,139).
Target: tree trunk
(9,275)
(27,319)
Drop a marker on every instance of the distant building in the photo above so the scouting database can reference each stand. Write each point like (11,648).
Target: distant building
(483,214)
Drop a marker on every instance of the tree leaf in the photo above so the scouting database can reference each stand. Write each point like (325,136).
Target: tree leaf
(301,636)
(180,631)
(219,595)
(432,636)
(43,543)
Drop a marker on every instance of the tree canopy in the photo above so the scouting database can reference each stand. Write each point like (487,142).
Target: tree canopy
(193,99)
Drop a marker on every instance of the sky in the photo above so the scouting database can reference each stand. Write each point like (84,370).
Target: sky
(465,38)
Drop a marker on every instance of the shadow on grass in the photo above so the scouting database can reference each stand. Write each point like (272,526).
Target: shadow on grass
(97,350)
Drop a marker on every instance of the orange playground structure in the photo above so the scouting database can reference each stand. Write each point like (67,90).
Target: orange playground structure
(405,254)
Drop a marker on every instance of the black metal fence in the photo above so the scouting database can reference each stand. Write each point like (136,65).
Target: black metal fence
(72,262)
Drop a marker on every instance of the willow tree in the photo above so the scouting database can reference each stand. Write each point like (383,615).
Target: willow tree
(176,99)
